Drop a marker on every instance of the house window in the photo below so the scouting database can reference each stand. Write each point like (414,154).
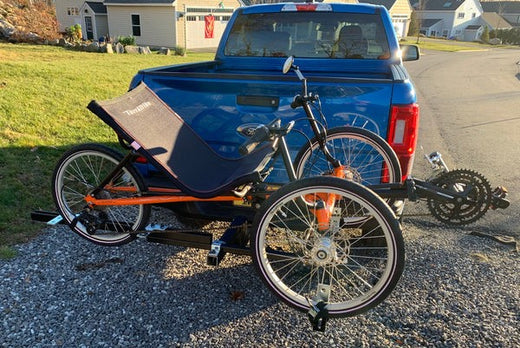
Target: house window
(72,11)
(460,15)
(136,25)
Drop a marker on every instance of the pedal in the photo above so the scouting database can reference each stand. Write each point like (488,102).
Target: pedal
(56,220)
(436,162)
(498,200)
(216,254)
(318,316)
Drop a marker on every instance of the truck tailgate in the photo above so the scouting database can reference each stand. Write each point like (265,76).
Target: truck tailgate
(222,107)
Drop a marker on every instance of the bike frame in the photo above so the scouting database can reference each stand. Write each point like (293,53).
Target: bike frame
(159,195)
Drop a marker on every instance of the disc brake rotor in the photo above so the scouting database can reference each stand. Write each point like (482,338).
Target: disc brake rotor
(473,185)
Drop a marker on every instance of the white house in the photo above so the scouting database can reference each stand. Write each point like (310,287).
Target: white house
(94,20)
(450,18)
(67,13)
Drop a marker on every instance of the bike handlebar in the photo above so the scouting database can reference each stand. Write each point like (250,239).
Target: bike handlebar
(261,134)
(297,101)
(300,100)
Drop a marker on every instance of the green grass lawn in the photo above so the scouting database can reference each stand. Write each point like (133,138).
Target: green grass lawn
(44,91)
(448,45)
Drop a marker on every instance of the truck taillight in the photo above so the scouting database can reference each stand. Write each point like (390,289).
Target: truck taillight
(402,134)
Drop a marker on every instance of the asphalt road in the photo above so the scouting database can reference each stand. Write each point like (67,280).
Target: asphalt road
(470,112)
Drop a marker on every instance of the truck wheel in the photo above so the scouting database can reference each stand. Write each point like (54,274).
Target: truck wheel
(367,158)
(304,263)
(78,172)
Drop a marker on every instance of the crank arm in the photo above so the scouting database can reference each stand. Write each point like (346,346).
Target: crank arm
(414,189)
(425,189)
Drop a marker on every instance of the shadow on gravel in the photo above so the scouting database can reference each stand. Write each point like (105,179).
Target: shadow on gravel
(139,292)
(174,292)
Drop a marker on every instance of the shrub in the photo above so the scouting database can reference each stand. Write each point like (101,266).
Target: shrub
(74,33)
(179,51)
(126,40)
(485,35)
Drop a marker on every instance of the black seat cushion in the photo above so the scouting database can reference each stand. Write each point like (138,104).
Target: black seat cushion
(163,137)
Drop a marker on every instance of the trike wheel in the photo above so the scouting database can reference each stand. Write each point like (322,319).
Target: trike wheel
(304,261)
(78,172)
(366,157)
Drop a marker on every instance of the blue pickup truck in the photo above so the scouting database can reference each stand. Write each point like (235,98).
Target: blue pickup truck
(349,54)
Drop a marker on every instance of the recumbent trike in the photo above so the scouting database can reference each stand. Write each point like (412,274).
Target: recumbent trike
(323,243)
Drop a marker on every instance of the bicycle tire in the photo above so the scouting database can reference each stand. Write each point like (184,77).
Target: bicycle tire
(79,171)
(290,255)
(353,147)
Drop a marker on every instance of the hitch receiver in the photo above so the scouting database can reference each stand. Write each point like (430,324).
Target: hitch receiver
(318,316)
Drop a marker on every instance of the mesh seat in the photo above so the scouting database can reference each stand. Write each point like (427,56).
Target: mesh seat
(162,136)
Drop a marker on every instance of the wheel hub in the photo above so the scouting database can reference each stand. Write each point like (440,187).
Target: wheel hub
(324,252)
(351,174)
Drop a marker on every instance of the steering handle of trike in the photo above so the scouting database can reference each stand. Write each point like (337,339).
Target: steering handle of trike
(263,133)
(300,100)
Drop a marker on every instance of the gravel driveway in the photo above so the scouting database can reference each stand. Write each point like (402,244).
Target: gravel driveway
(457,290)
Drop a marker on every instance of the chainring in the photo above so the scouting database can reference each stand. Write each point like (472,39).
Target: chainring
(478,201)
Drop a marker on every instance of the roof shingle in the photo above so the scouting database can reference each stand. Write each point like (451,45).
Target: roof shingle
(97,7)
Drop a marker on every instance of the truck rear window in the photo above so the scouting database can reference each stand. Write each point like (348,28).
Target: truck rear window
(309,35)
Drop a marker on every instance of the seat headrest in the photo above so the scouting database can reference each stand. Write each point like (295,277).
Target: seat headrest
(351,32)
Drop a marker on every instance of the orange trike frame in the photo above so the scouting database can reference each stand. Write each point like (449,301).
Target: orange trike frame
(157,195)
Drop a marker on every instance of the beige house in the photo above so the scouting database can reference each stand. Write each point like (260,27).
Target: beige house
(170,23)
(400,11)
(155,23)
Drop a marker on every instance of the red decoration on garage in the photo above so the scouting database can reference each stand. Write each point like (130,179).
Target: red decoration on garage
(209,25)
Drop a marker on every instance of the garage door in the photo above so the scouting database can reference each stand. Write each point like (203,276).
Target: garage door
(204,26)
